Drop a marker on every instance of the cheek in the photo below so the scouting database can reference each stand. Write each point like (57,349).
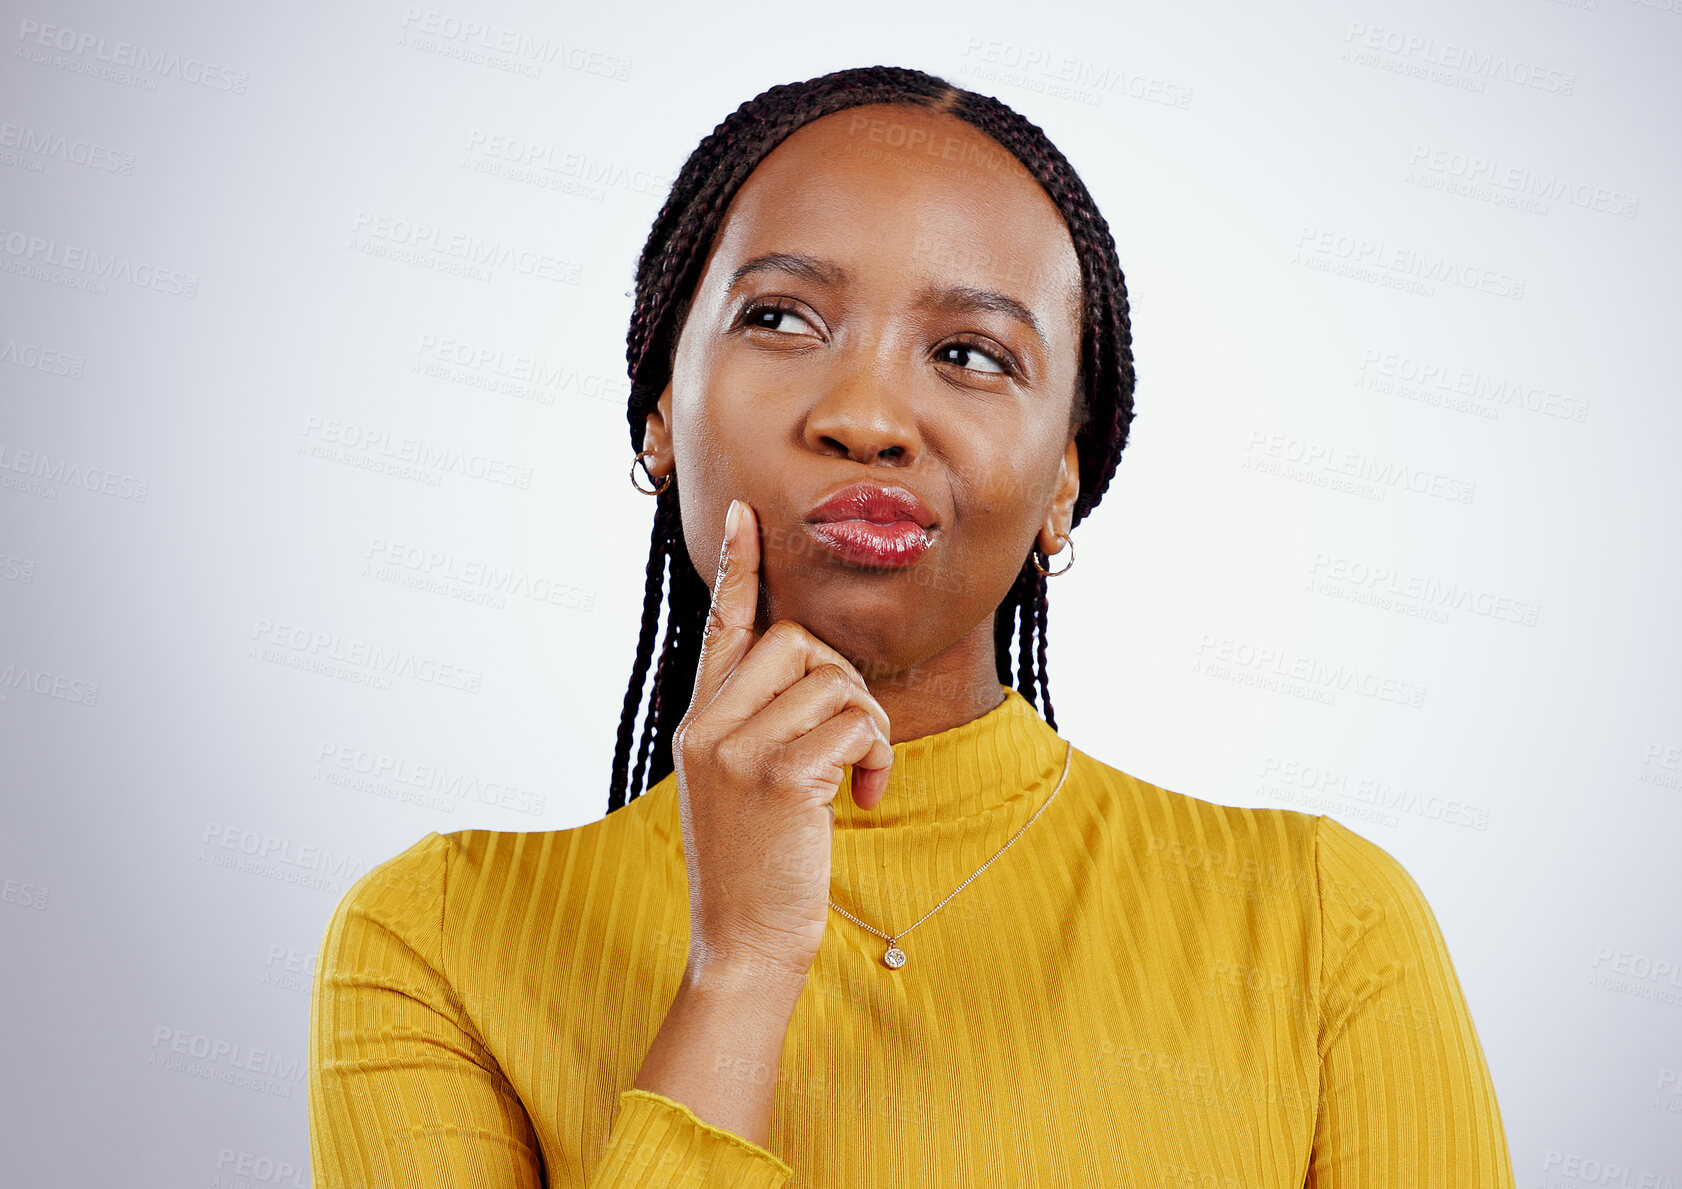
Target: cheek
(1002,489)
(704,434)
(715,410)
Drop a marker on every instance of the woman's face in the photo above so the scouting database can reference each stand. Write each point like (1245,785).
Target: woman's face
(891,299)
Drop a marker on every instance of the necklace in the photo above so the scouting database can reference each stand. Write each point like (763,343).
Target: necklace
(894,958)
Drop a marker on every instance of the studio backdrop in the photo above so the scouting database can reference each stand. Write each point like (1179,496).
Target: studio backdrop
(317,532)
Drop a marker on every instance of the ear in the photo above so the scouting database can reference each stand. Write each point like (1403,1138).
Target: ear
(1061,514)
(657,436)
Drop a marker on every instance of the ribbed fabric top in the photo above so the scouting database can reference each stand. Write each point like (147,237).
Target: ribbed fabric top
(1146,989)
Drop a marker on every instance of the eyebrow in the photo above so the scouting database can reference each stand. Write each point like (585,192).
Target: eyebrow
(810,267)
(962,297)
(957,297)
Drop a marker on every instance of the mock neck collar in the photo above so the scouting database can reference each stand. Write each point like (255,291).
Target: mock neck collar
(1008,757)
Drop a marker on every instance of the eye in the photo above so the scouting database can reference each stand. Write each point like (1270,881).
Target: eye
(772,316)
(967,354)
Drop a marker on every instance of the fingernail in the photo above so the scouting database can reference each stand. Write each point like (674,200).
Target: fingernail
(732,518)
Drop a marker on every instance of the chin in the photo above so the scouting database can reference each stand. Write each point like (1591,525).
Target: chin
(879,633)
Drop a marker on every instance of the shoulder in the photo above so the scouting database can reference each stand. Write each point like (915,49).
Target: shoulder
(1341,885)
(398,896)
(1375,921)
(1357,873)
(416,893)
(1265,849)
(1261,845)
(632,838)
(1339,900)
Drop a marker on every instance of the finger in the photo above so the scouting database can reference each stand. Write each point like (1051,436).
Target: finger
(823,753)
(778,661)
(729,634)
(816,698)
(870,785)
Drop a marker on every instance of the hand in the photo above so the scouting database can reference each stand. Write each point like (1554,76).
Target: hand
(759,756)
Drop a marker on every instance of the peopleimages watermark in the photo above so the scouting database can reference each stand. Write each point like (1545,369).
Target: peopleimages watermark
(1668,1096)
(512,373)
(1326,465)
(198,1054)
(1586,1170)
(333,655)
(469,579)
(1662,766)
(33,472)
(246,1170)
(256,852)
(41,144)
(122,61)
(1064,76)
(77,266)
(432,785)
(296,968)
(49,361)
(368,448)
(1344,791)
(1282,671)
(16,569)
(1461,389)
(503,48)
(1410,270)
(553,168)
(1191,1077)
(411,242)
(1487,177)
(24,895)
(1358,581)
(1449,62)
(47,684)
(1639,975)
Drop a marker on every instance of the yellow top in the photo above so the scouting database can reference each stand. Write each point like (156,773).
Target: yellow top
(1145,990)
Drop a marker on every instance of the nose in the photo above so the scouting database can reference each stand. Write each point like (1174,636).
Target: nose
(863,414)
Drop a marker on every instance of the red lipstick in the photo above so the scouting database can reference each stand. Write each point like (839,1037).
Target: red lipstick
(870,524)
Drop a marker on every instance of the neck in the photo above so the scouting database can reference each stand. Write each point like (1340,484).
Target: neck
(980,777)
(956,685)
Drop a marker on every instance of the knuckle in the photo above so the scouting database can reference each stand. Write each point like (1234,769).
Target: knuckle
(868,728)
(837,678)
(739,753)
(691,739)
(681,736)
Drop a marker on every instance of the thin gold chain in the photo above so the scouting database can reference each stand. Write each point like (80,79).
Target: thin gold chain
(894,937)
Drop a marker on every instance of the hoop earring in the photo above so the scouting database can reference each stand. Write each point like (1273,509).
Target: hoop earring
(1054,573)
(664,483)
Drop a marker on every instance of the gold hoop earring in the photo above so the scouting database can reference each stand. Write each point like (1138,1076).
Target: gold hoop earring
(1054,573)
(664,483)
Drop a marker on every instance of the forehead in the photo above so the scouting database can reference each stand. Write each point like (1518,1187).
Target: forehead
(905,190)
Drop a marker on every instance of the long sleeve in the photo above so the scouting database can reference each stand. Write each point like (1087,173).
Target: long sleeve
(1179,978)
(405,1094)
(1406,1096)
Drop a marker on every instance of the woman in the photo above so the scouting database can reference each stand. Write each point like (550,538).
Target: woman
(881,350)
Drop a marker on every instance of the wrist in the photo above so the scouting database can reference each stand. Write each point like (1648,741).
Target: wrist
(718,1051)
(769,986)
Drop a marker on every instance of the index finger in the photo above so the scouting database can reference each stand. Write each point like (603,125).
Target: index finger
(729,632)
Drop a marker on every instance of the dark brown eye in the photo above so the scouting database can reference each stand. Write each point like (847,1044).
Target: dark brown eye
(770,316)
(969,355)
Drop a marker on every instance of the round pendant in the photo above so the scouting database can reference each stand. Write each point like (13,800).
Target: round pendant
(895,957)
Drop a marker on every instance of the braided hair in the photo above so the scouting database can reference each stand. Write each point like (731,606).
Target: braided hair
(666,276)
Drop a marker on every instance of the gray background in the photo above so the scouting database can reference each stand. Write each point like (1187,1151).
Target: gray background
(246,651)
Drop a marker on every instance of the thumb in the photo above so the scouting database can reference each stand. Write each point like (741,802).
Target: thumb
(729,632)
